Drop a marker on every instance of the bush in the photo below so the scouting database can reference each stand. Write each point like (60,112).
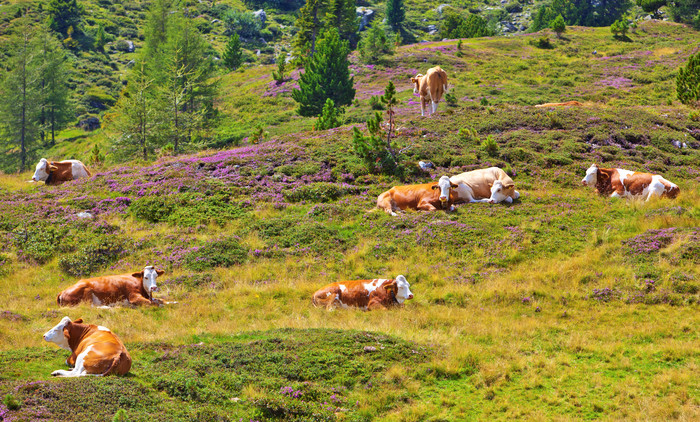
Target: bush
(456,26)
(542,42)
(187,210)
(316,192)
(375,44)
(688,82)
(153,209)
(375,102)
(242,23)
(224,252)
(11,403)
(450,99)
(38,243)
(490,146)
(330,117)
(619,28)
(100,252)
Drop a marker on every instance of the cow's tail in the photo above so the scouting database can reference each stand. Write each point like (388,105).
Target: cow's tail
(673,192)
(58,299)
(115,364)
(87,170)
(443,79)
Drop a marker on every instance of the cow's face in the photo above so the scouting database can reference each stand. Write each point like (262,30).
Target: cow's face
(498,192)
(416,82)
(444,185)
(56,335)
(591,176)
(150,275)
(403,292)
(42,171)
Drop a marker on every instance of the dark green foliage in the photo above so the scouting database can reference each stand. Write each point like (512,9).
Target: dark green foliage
(326,76)
(309,25)
(233,56)
(342,16)
(93,256)
(542,42)
(457,26)
(152,209)
(278,75)
(317,192)
(330,117)
(187,210)
(375,102)
(688,82)
(451,99)
(224,252)
(120,416)
(375,44)
(11,403)
(619,28)
(651,6)
(64,14)
(490,146)
(685,11)
(242,23)
(395,14)
(579,12)
(558,25)
(37,243)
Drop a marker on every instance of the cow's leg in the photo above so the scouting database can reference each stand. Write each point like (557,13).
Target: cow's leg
(79,368)
(387,204)
(136,299)
(655,189)
(616,195)
(374,305)
(426,206)
(508,200)
(422,106)
(435,107)
(516,195)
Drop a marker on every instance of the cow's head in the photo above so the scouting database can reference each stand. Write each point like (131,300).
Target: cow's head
(591,178)
(43,170)
(499,192)
(416,81)
(148,278)
(444,185)
(401,289)
(59,333)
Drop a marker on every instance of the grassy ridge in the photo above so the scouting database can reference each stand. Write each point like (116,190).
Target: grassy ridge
(564,305)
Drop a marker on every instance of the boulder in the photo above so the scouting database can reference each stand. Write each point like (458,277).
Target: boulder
(261,15)
(130,46)
(89,124)
(365,14)
(440,8)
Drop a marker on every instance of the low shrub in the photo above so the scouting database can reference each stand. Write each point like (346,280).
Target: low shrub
(317,192)
(38,243)
(490,146)
(224,252)
(88,259)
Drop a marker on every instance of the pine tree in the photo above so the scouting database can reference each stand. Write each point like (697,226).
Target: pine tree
(56,110)
(341,14)
(558,25)
(100,38)
(329,118)
(395,14)
(688,82)
(375,44)
(326,75)
(64,14)
(233,56)
(278,75)
(310,25)
(20,95)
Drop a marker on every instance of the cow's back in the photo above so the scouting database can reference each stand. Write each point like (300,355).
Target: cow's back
(106,354)
(437,80)
(104,290)
(349,294)
(479,181)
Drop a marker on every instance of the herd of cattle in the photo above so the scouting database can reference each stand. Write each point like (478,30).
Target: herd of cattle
(95,350)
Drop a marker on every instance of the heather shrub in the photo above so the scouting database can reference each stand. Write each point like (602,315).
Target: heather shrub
(101,251)
(224,252)
(39,242)
(317,192)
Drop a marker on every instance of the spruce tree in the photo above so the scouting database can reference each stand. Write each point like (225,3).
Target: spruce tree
(64,14)
(375,44)
(326,75)
(158,23)
(395,14)
(20,102)
(688,82)
(309,24)
(233,56)
(341,14)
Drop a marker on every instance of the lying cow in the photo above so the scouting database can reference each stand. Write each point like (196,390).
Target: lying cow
(129,289)
(425,197)
(364,294)
(490,185)
(564,104)
(619,183)
(56,172)
(430,87)
(95,350)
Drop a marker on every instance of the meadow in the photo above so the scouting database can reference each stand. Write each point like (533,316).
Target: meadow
(562,306)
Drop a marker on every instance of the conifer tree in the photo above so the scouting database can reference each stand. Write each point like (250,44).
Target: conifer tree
(64,14)
(326,75)
(341,14)
(309,24)
(19,104)
(233,56)
(395,14)
(329,118)
(137,113)
(55,108)
(158,23)
(558,25)
(688,82)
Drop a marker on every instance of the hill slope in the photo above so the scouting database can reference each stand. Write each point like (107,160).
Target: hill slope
(564,305)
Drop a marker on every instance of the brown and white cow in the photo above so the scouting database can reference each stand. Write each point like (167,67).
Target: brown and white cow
(430,87)
(490,185)
(56,172)
(424,197)
(564,104)
(129,289)
(620,183)
(95,350)
(379,293)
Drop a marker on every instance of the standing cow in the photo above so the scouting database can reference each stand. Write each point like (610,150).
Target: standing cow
(424,197)
(620,183)
(490,185)
(95,350)
(430,87)
(368,295)
(129,289)
(56,172)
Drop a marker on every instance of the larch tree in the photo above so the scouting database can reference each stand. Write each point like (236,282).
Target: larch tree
(54,96)
(395,14)
(309,24)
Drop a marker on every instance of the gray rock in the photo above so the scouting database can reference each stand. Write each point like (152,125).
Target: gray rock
(677,144)
(89,124)
(215,21)
(260,14)
(440,8)
(365,14)
(85,214)
(431,28)
(370,349)
(131,47)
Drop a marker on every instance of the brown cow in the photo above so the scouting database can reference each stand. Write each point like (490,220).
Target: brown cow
(364,294)
(430,87)
(490,185)
(425,197)
(130,289)
(620,183)
(565,104)
(56,172)
(95,350)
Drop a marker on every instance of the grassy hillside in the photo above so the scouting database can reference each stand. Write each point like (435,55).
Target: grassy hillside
(564,305)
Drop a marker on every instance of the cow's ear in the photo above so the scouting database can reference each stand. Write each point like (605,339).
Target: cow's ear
(603,175)
(52,168)
(160,272)
(138,274)
(435,187)
(66,334)
(78,321)
(392,286)
(453,186)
